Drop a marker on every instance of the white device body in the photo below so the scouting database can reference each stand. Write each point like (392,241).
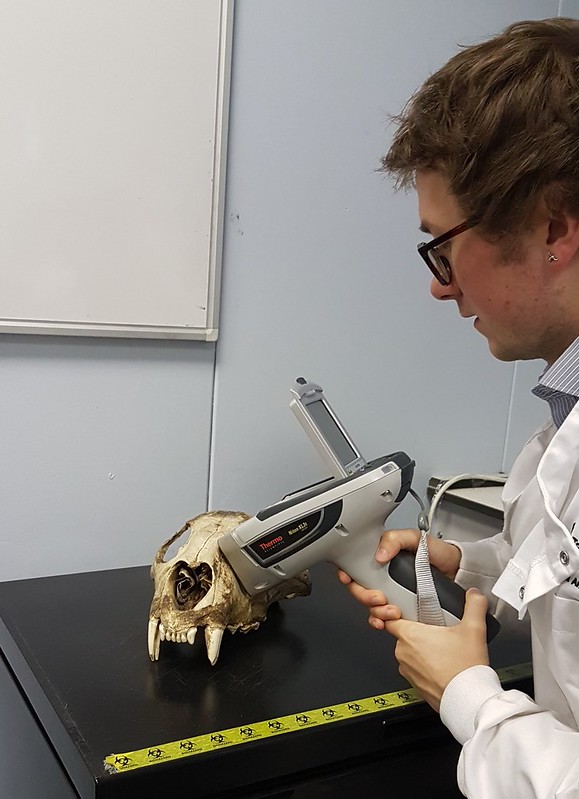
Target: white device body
(340,521)
(341,524)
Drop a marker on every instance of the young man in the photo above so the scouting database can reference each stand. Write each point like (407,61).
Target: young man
(491,144)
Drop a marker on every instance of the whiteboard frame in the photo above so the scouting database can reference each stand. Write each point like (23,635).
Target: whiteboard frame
(69,327)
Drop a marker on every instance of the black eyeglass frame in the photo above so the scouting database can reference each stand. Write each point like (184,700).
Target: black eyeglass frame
(439,264)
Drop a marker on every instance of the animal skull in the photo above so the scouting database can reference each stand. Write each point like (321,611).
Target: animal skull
(198,588)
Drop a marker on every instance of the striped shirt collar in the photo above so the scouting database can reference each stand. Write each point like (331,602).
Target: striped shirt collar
(563,375)
(559,384)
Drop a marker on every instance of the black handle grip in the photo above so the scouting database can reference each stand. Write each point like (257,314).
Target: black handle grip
(451,596)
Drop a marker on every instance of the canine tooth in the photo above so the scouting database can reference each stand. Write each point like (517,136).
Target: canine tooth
(213,636)
(154,639)
(191,633)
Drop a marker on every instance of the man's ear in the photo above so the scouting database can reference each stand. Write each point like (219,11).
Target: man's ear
(562,237)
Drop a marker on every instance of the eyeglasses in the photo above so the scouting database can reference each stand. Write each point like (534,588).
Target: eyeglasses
(438,263)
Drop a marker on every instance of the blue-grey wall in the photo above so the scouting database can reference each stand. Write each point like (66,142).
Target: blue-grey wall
(108,446)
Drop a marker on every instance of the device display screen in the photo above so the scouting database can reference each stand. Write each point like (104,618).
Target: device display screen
(331,432)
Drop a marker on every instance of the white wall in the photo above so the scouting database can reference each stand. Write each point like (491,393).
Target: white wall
(322,276)
(108,446)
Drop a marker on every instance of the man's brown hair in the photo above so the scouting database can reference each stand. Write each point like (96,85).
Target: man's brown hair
(501,121)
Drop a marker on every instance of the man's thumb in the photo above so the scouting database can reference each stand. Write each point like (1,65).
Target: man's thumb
(475,607)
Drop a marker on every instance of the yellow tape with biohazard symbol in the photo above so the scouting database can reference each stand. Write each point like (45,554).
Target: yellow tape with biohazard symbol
(235,736)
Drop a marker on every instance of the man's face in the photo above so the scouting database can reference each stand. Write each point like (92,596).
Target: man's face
(513,304)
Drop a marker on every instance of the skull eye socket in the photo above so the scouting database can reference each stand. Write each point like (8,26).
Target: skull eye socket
(170,549)
(192,583)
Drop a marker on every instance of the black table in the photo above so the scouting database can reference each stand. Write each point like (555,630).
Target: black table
(77,686)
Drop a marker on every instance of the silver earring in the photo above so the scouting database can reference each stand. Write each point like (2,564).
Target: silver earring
(551,258)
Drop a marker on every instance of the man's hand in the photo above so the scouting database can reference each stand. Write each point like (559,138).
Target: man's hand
(429,656)
(445,556)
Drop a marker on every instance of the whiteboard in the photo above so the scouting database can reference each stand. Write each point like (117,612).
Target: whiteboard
(112,165)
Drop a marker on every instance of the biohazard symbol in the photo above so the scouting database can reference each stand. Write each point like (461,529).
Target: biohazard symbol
(354,707)
(302,719)
(217,738)
(274,725)
(123,761)
(379,700)
(404,696)
(188,746)
(155,754)
(328,713)
(247,732)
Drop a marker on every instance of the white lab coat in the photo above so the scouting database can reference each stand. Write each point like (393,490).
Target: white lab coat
(514,747)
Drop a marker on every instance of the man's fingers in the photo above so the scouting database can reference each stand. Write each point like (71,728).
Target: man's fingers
(344,578)
(381,619)
(393,541)
(367,597)
(396,627)
(385,612)
(475,608)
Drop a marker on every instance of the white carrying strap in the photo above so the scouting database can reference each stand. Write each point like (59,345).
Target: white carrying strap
(428,604)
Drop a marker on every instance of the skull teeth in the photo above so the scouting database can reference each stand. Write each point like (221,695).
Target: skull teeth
(158,632)
(154,639)
(213,636)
